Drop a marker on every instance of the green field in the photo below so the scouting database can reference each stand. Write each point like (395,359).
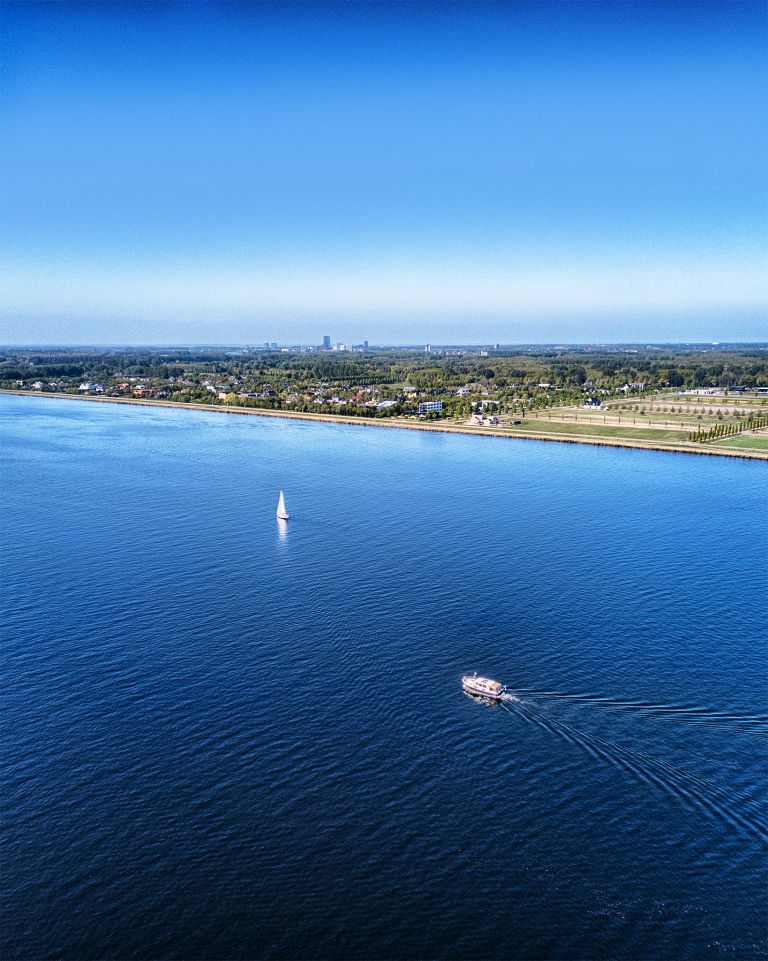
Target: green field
(745,441)
(600,430)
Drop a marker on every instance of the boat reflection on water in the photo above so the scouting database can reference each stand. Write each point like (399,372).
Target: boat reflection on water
(282,529)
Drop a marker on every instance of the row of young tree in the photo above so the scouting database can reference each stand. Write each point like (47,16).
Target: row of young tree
(719,431)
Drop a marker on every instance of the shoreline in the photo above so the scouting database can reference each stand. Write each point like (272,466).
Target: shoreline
(595,441)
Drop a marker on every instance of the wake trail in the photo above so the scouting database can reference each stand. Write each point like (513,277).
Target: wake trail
(686,788)
(752,723)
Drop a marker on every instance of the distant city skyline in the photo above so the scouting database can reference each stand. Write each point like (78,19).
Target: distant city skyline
(401,173)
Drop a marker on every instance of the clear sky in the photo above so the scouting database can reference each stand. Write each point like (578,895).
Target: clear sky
(396,172)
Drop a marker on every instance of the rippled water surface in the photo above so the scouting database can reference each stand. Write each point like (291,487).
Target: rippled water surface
(225,740)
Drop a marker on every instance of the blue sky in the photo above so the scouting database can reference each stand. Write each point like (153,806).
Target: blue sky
(399,172)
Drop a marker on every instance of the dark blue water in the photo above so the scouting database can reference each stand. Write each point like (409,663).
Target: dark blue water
(220,740)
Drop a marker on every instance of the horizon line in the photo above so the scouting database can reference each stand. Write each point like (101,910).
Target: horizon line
(419,345)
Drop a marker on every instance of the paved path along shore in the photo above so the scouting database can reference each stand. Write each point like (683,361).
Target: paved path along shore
(679,447)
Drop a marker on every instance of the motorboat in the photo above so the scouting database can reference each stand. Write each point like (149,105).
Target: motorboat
(483,686)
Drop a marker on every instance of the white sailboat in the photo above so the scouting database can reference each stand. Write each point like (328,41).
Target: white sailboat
(282,513)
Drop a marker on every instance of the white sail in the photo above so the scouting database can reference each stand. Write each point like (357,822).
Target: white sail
(282,513)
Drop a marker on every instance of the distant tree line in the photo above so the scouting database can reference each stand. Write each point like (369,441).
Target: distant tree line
(512,378)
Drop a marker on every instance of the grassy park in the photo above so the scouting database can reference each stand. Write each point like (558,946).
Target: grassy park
(664,418)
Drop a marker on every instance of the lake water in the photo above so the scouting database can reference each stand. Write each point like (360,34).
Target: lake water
(225,740)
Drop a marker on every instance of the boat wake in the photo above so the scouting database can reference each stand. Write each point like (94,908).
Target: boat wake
(691,790)
(750,723)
